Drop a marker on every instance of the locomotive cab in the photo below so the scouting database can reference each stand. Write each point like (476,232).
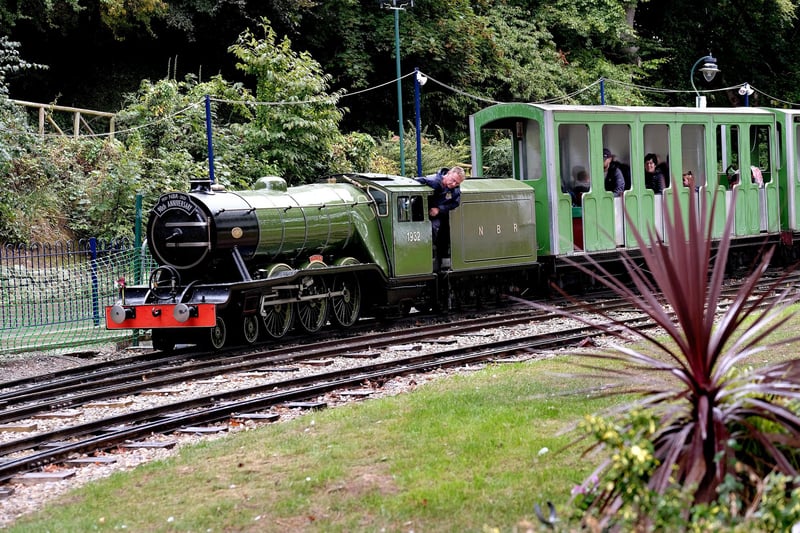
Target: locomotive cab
(401,207)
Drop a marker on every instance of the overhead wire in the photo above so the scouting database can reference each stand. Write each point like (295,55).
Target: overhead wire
(343,93)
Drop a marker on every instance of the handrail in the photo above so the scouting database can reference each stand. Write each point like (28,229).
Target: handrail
(78,119)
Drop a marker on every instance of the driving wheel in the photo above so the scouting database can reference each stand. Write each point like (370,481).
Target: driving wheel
(347,305)
(277,318)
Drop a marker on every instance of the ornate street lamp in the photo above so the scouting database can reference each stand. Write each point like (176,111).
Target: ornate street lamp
(709,70)
(397,6)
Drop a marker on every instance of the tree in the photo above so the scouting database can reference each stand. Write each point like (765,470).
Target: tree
(753,42)
(297,121)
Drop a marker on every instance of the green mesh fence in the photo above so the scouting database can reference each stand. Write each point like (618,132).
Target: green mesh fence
(54,295)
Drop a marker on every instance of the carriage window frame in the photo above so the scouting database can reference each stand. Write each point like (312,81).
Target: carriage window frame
(728,147)
(694,144)
(655,135)
(618,137)
(574,153)
(762,148)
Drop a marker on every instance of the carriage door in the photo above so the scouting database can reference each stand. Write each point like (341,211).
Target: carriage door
(728,162)
(656,141)
(576,187)
(761,176)
(617,138)
(412,235)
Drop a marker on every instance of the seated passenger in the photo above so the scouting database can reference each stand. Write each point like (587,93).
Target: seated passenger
(582,185)
(614,181)
(756,176)
(664,168)
(689,181)
(733,175)
(653,178)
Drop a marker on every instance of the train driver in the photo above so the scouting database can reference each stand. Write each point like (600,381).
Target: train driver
(446,195)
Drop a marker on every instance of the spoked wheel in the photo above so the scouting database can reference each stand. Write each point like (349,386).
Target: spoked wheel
(278,319)
(347,305)
(250,329)
(312,314)
(218,335)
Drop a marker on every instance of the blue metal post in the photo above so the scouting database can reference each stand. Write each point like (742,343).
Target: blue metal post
(399,92)
(602,91)
(95,288)
(418,121)
(210,142)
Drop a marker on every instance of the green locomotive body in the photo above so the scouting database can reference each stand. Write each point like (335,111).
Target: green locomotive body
(271,258)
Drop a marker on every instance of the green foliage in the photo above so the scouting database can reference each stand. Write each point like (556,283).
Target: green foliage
(497,157)
(297,125)
(437,152)
(12,63)
(354,153)
(630,465)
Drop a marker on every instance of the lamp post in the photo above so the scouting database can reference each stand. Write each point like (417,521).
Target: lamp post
(709,70)
(397,6)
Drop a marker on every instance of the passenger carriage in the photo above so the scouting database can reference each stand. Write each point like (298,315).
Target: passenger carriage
(552,143)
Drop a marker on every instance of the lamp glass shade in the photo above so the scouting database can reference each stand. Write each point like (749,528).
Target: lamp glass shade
(709,71)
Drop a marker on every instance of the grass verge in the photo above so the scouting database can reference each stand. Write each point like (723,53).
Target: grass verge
(466,453)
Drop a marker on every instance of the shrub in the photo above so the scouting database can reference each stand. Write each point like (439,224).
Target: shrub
(703,426)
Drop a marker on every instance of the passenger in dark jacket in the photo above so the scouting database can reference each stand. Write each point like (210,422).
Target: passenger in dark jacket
(653,177)
(446,195)
(615,181)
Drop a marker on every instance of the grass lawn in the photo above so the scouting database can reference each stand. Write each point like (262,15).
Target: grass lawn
(465,453)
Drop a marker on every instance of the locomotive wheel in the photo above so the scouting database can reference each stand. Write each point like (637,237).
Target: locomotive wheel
(218,335)
(250,329)
(278,319)
(347,306)
(312,314)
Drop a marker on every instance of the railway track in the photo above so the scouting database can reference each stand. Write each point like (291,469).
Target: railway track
(26,399)
(40,395)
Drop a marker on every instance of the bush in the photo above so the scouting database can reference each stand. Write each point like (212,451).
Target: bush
(703,426)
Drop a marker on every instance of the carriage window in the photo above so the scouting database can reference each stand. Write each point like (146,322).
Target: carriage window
(379,197)
(573,151)
(410,209)
(693,152)
(418,209)
(760,159)
(617,138)
(728,155)
(656,141)
(533,163)
(796,148)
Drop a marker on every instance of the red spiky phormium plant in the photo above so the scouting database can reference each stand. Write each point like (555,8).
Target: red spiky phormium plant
(717,415)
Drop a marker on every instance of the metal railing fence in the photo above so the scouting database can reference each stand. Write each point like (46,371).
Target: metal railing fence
(53,295)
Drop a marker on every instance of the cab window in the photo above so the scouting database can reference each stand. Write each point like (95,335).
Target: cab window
(410,209)
(379,197)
